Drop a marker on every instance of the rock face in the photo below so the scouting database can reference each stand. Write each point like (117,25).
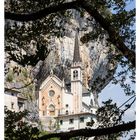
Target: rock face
(97,68)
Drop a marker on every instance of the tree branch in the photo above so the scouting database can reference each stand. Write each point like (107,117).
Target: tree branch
(42,13)
(114,37)
(127,107)
(120,107)
(92,132)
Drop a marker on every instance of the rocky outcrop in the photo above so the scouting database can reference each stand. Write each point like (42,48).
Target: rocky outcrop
(98,70)
(97,67)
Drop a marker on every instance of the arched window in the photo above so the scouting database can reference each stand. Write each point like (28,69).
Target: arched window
(51,93)
(75,74)
(67,112)
(52,109)
(43,113)
(43,101)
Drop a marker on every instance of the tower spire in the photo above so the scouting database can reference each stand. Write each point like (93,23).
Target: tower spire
(76,56)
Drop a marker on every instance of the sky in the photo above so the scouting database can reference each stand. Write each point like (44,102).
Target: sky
(131,5)
(116,93)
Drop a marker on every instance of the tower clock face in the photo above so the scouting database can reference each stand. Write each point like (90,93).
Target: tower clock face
(51,93)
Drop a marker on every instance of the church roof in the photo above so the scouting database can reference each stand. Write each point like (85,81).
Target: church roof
(20,96)
(76,56)
(12,90)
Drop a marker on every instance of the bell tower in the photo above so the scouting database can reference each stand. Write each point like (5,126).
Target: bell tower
(76,78)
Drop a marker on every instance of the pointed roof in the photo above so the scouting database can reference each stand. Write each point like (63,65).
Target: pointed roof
(76,56)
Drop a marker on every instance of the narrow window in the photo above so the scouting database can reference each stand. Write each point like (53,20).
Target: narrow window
(20,105)
(52,110)
(43,101)
(81,119)
(61,122)
(67,112)
(75,74)
(43,113)
(91,102)
(71,121)
(12,105)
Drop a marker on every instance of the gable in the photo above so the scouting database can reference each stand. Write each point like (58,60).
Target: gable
(51,80)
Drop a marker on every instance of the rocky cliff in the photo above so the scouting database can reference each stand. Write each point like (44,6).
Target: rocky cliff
(97,67)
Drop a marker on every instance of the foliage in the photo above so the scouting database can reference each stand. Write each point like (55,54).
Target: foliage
(108,115)
(9,77)
(16,128)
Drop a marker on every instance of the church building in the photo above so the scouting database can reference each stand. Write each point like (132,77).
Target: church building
(62,109)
